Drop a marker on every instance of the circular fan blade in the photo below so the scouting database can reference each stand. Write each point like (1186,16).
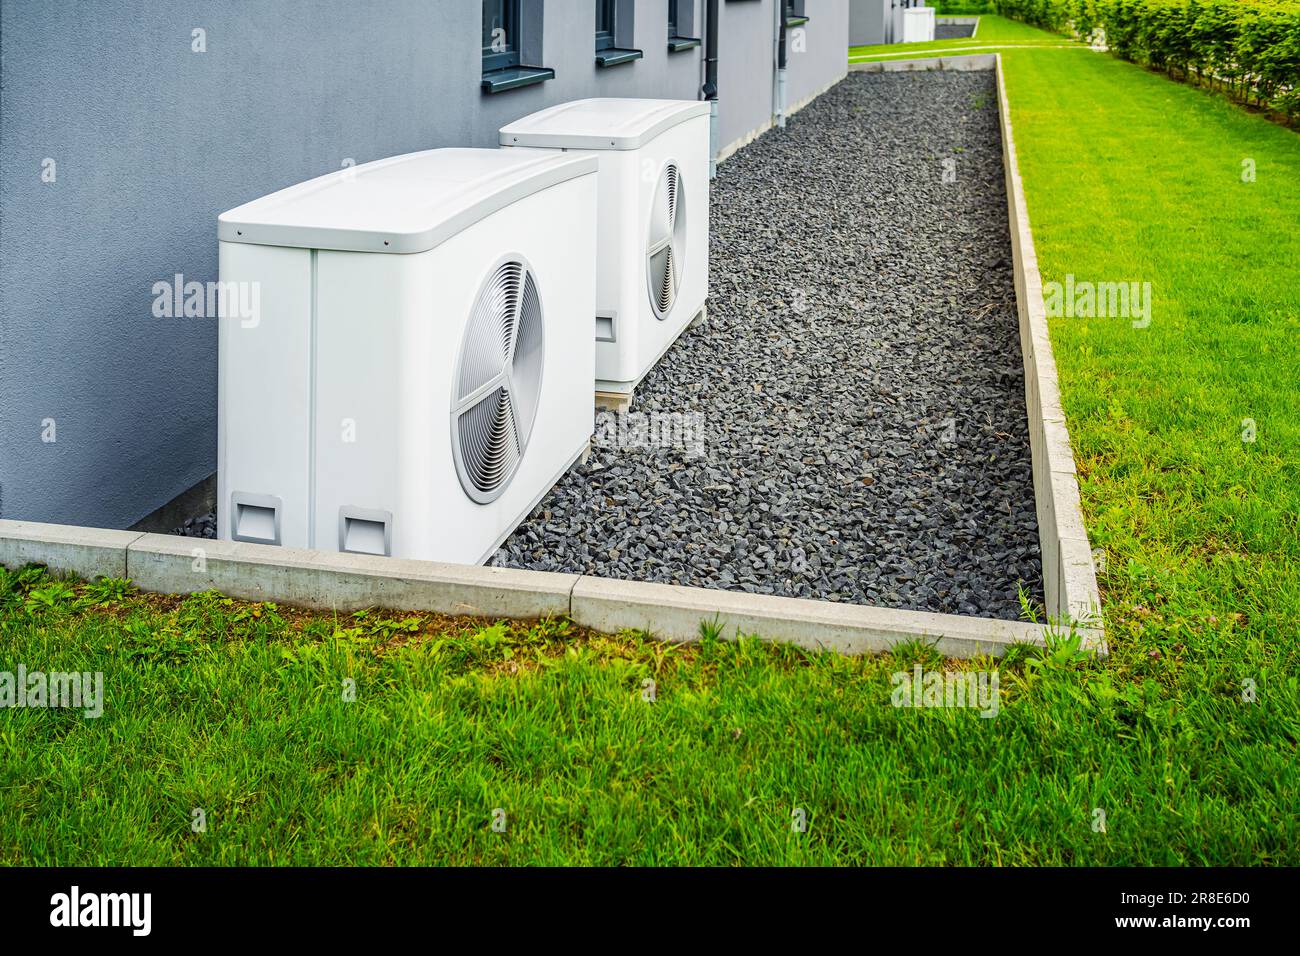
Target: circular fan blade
(488,337)
(666,244)
(498,387)
(526,362)
(672,198)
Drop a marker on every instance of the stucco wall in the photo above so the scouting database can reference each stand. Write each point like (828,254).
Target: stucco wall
(869,22)
(746,64)
(821,56)
(151,141)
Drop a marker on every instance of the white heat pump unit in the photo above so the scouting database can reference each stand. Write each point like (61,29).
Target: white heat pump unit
(417,373)
(653,232)
(918,24)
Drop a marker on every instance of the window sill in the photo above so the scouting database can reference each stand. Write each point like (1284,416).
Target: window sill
(795,21)
(615,57)
(678,44)
(513,77)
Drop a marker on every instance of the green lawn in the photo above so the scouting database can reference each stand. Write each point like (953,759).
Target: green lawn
(994,33)
(239,710)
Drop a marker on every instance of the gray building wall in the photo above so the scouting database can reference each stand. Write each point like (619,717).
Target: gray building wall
(107,412)
(869,22)
(745,72)
(824,58)
(747,61)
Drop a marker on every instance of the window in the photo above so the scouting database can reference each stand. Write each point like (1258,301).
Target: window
(604,24)
(793,11)
(681,20)
(500,40)
(512,34)
(614,31)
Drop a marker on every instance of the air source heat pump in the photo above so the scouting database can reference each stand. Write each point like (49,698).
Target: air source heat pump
(918,24)
(418,374)
(653,233)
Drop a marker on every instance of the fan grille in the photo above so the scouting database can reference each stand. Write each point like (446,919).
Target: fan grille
(499,381)
(666,243)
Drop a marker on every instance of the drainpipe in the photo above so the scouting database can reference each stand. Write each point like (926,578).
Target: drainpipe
(710,89)
(780,65)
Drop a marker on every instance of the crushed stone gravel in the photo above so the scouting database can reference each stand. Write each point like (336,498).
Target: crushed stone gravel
(859,377)
(953,31)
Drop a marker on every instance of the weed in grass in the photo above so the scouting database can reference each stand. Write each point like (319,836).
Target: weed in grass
(106,591)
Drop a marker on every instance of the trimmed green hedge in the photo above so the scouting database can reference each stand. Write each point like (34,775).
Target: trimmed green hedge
(1248,48)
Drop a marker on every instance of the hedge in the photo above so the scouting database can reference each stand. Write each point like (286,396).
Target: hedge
(1248,48)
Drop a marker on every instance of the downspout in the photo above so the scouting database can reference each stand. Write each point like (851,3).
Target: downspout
(780,65)
(710,89)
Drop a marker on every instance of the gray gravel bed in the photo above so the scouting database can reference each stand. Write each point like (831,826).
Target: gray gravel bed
(953,31)
(859,377)
(201,526)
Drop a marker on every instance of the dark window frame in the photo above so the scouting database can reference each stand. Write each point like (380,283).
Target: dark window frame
(509,17)
(615,27)
(507,69)
(679,11)
(606,24)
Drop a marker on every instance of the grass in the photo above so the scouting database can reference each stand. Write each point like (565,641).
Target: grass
(994,33)
(239,709)
(1186,432)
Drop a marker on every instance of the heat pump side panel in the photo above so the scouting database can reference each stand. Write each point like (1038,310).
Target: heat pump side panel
(918,25)
(687,146)
(264,387)
(617,255)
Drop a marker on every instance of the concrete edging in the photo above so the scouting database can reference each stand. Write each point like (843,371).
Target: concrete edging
(66,549)
(974,62)
(1069,575)
(673,612)
(325,580)
(330,580)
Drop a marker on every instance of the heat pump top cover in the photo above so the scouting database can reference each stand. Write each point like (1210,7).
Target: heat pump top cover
(404,204)
(602,123)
